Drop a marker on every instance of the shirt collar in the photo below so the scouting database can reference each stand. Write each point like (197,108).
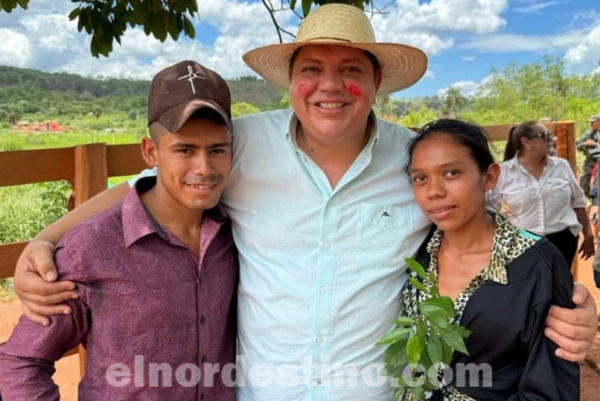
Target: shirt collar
(514,162)
(138,222)
(507,245)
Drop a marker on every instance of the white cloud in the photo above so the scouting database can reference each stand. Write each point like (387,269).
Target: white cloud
(477,16)
(534,7)
(505,43)
(585,54)
(429,74)
(467,88)
(14,48)
(579,46)
(467,58)
(43,38)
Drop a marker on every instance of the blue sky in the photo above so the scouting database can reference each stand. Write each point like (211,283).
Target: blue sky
(464,39)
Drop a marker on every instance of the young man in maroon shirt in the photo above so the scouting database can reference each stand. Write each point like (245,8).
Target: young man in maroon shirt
(156,274)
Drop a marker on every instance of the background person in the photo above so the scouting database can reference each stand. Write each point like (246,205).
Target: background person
(156,274)
(588,141)
(539,193)
(502,279)
(322,217)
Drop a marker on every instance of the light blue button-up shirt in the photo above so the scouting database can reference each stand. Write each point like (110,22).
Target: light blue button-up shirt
(321,269)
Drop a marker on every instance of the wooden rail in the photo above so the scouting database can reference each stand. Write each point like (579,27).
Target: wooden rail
(89,166)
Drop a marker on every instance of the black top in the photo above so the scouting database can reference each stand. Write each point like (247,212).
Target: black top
(506,312)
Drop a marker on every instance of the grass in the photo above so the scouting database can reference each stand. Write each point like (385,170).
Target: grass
(26,209)
(43,140)
(7,292)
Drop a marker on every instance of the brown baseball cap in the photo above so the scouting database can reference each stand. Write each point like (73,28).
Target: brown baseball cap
(178,91)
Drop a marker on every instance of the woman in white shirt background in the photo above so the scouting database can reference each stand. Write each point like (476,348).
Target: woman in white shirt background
(539,193)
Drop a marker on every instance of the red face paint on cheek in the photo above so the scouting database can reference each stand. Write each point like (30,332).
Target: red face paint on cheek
(354,90)
(302,88)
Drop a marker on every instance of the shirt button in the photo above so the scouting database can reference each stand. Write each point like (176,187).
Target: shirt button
(316,383)
(204,359)
(202,396)
(199,280)
(318,339)
(323,290)
(202,320)
(326,245)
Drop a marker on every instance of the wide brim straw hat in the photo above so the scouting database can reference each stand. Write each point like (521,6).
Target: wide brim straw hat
(342,25)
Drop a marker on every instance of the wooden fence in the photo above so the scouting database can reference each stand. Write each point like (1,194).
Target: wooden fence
(89,166)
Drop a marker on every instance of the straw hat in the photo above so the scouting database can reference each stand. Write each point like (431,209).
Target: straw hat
(343,25)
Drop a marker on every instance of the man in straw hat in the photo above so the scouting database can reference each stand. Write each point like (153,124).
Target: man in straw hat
(323,217)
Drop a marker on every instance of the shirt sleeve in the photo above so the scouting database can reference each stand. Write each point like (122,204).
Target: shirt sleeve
(579,143)
(577,195)
(542,364)
(149,172)
(27,359)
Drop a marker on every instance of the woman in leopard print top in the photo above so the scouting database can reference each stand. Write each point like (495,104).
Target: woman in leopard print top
(502,279)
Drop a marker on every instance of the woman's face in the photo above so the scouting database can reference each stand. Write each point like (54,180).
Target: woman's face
(448,184)
(538,145)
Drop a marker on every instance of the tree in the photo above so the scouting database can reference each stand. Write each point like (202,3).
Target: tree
(454,101)
(106,21)
(242,108)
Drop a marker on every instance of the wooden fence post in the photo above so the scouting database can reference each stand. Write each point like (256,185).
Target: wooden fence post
(90,171)
(90,179)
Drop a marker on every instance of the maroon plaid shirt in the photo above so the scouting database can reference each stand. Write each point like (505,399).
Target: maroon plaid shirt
(144,300)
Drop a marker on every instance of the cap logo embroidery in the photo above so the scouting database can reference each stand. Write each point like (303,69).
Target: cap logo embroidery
(190,76)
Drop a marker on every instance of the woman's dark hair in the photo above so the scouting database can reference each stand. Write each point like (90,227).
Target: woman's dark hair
(513,144)
(468,135)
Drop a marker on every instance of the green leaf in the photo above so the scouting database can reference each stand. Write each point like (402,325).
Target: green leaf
(437,319)
(454,341)
(428,309)
(447,354)
(443,303)
(74,14)
(462,331)
(395,357)
(306,7)
(413,348)
(404,321)
(434,349)
(417,393)
(417,284)
(415,267)
(23,4)
(8,5)
(393,336)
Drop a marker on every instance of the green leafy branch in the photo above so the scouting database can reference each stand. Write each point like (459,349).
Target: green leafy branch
(418,346)
(107,21)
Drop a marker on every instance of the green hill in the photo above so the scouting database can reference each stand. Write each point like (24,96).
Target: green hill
(31,93)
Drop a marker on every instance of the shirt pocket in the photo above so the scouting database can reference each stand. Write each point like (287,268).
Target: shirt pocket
(382,229)
(558,194)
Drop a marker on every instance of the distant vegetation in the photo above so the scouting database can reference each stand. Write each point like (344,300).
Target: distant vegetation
(114,111)
(89,105)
